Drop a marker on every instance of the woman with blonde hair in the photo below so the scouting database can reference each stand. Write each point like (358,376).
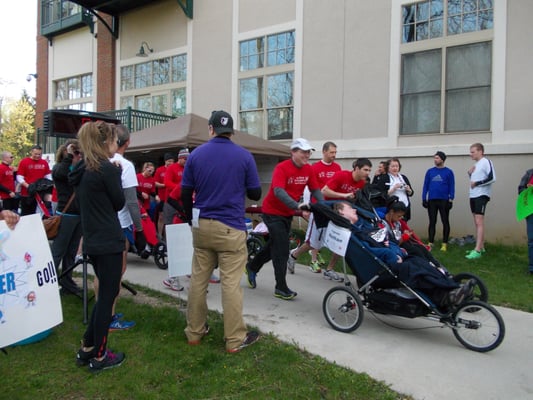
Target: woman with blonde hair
(99,194)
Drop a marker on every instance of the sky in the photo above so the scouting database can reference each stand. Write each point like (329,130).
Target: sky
(18,33)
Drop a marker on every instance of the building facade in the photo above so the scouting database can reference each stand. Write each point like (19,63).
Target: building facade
(381,79)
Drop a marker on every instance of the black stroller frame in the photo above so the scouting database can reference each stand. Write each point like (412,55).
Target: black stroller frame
(475,324)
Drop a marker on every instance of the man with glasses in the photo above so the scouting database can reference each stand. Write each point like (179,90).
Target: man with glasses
(10,200)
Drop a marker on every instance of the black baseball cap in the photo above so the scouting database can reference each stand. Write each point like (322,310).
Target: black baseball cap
(221,122)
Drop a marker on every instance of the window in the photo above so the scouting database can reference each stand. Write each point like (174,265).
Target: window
(156,86)
(74,93)
(446,85)
(266,84)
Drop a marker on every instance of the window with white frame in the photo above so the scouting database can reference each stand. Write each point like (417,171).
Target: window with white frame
(446,66)
(266,85)
(157,86)
(75,93)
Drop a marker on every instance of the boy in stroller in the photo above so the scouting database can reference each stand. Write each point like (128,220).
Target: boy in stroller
(413,270)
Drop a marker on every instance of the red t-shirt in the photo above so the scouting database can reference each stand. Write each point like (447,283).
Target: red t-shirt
(7,180)
(32,171)
(146,185)
(173,176)
(343,182)
(288,176)
(160,178)
(325,172)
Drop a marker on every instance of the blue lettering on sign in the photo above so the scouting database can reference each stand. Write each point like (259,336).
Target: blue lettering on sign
(47,275)
(7,283)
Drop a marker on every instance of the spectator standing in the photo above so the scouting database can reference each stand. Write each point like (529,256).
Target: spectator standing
(525,182)
(147,188)
(100,196)
(30,170)
(160,172)
(65,245)
(396,184)
(220,174)
(438,193)
(8,195)
(381,173)
(324,170)
(289,179)
(482,176)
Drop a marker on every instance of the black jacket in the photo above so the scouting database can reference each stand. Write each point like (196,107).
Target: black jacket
(63,187)
(100,196)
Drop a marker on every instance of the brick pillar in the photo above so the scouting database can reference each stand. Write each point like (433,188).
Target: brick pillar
(106,60)
(41,88)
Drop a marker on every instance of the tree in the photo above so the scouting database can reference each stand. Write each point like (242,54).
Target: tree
(18,128)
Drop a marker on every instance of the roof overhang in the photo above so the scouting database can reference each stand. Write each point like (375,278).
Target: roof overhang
(117,7)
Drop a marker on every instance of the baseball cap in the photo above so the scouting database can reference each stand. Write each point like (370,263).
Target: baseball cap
(441,155)
(302,144)
(221,122)
(183,153)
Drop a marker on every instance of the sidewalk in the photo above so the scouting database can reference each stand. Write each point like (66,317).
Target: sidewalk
(418,359)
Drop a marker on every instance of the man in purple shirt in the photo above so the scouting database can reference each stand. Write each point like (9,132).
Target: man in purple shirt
(220,174)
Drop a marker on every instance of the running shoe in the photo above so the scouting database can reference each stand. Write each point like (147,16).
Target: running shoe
(251,338)
(315,267)
(291,261)
(332,276)
(214,279)
(173,284)
(285,294)
(320,259)
(250,277)
(119,325)
(444,247)
(473,255)
(110,360)
(197,342)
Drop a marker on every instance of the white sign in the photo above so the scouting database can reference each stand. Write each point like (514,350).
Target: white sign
(337,239)
(29,294)
(179,249)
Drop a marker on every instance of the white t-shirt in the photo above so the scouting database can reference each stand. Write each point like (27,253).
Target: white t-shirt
(129,179)
(401,193)
(481,172)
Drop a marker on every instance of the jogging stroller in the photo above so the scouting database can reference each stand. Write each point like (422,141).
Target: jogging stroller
(154,245)
(476,325)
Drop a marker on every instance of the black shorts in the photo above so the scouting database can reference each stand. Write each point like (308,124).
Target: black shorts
(478,204)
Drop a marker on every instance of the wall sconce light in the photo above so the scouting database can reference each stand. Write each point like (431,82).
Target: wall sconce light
(30,76)
(143,53)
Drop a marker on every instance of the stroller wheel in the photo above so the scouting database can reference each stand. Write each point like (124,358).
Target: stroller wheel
(160,255)
(343,309)
(480,293)
(478,326)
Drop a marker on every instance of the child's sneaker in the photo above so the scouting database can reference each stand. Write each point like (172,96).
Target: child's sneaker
(444,247)
(110,360)
(118,325)
(315,267)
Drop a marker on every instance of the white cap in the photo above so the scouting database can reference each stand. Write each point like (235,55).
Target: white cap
(302,144)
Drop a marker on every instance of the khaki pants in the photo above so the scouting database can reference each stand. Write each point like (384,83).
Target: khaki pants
(216,243)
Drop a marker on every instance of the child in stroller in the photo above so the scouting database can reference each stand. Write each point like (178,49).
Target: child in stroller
(405,289)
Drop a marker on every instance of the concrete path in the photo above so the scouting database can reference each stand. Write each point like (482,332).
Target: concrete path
(413,356)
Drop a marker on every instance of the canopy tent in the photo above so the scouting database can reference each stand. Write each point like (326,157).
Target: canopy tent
(191,131)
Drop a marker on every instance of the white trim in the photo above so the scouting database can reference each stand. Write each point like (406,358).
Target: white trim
(499,44)
(189,47)
(235,65)
(298,70)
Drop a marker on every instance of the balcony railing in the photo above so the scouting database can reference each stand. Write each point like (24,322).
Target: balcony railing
(59,16)
(135,120)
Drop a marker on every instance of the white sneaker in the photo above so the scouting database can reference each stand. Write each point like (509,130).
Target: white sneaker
(332,275)
(291,261)
(173,284)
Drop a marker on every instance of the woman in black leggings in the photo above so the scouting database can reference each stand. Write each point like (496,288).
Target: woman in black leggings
(99,194)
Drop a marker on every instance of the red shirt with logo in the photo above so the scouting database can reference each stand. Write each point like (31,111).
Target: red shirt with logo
(288,176)
(343,182)
(146,185)
(7,180)
(160,178)
(32,171)
(173,176)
